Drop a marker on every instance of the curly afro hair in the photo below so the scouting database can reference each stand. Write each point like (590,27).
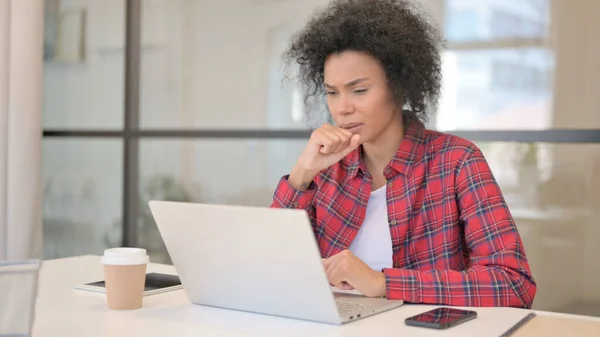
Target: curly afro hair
(398,33)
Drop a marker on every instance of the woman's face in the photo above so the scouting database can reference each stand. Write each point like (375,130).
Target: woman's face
(358,96)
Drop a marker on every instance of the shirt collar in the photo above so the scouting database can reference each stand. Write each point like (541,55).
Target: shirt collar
(402,162)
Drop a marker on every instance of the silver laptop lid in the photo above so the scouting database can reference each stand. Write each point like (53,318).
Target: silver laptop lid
(253,259)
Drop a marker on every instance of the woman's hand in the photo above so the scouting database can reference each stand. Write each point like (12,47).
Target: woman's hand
(346,271)
(327,145)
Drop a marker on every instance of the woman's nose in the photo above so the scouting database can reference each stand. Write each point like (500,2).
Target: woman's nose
(344,105)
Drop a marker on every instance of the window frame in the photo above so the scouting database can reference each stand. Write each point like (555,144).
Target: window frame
(131,134)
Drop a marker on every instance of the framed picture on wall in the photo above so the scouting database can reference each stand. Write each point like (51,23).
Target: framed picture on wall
(64,33)
(70,39)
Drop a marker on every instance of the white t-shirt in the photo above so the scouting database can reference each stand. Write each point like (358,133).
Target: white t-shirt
(373,243)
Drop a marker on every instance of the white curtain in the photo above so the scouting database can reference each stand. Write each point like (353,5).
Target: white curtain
(21,66)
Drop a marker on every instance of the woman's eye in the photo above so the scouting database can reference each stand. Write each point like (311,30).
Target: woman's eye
(360,91)
(328,93)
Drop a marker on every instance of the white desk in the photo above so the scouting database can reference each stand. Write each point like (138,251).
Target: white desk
(63,312)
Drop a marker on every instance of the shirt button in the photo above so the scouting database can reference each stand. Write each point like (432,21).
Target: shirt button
(294,204)
(393,222)
(390,184)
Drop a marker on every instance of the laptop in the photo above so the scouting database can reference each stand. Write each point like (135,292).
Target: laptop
(254,259)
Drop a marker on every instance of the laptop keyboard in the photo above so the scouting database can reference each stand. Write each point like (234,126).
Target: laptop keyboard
(351,308)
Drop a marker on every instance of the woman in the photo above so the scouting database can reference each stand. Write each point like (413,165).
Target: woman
(397,210)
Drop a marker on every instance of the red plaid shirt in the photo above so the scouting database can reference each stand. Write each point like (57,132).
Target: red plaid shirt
(454,240)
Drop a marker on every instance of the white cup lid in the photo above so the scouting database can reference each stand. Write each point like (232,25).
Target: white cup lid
(125,256)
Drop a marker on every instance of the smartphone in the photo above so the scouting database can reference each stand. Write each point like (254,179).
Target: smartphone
(441,318)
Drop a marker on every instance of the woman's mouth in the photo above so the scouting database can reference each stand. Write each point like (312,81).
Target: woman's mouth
(352,127)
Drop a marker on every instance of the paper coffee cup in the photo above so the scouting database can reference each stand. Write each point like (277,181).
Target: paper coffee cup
(125,277)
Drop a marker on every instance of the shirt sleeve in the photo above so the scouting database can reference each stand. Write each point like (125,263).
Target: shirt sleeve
(286,196)
(498,273)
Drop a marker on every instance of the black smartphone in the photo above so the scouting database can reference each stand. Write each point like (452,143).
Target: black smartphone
(441,318)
